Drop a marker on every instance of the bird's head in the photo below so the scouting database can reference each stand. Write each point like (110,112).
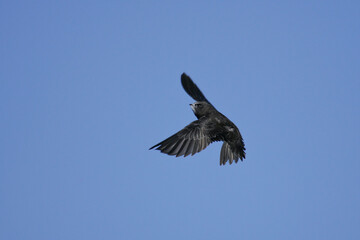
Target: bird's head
(201,109)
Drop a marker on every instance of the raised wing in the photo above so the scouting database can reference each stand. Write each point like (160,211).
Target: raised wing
(191,88)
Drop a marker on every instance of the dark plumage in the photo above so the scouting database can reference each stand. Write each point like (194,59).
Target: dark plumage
(211,126)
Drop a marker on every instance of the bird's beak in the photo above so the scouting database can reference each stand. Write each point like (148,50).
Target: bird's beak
(192,107)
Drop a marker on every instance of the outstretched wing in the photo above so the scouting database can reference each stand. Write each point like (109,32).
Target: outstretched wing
(190,140)
(191,88)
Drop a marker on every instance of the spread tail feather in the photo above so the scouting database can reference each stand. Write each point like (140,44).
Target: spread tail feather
(231,153)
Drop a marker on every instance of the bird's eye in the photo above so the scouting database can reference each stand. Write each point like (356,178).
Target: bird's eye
(199,105)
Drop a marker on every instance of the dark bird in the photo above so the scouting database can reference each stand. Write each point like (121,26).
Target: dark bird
(211,126)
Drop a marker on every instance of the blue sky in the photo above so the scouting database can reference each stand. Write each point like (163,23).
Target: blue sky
(86,87)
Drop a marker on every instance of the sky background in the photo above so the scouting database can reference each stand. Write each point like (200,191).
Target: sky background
(86,87)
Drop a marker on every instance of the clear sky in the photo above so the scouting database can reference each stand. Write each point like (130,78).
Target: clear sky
(86,87)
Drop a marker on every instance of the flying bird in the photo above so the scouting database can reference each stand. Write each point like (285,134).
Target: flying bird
(211,126)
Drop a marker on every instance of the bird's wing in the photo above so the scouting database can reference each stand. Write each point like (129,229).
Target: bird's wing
(190,140)
(191,88)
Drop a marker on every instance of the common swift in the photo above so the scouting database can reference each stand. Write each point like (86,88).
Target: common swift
(211,126)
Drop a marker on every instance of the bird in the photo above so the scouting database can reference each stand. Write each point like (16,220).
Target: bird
(210,126)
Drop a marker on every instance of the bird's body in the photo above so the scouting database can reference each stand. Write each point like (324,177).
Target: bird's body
(211,126)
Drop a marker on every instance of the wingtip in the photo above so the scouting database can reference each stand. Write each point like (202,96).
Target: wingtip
(184,78)
(154,146)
